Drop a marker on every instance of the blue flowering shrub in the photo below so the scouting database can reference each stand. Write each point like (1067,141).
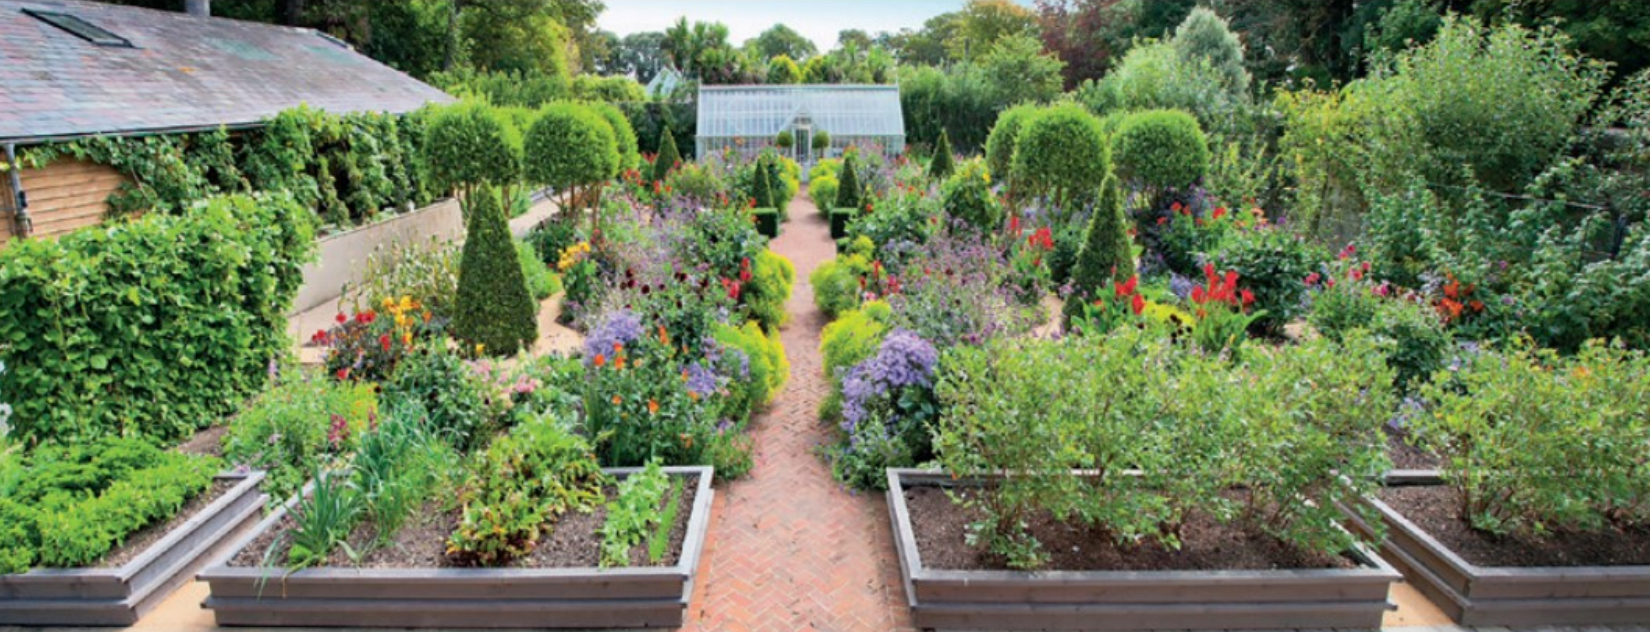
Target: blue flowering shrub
(887,405)
(847,341)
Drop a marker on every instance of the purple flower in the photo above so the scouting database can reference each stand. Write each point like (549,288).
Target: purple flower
(904,359)
(700,379)
(620,327)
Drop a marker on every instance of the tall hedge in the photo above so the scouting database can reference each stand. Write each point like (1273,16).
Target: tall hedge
(1061,153)
(153,327)
(494,308)
(1161,149)
(1107,254)
(624,135)
(668,155)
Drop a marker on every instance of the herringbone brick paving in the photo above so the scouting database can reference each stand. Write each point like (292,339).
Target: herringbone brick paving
(791,550)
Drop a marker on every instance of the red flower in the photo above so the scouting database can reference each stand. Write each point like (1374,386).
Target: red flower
(1138,303)
(1043,238)
(1220,211)
(343,374)
(1248,298)
(1013,224)
(1312,279)
(384,341)
(1162,220)
(1176,207)
(1197,295)
(340,318)
(745,271)
(1127,287)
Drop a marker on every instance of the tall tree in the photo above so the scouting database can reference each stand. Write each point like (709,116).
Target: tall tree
(782,40)
(983,22)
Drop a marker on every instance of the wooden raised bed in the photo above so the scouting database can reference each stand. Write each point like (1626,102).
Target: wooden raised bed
(120,595)
(1131,600)
(1499,595)
(653,597)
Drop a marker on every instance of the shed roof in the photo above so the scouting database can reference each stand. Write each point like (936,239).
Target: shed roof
(180,72)
(763,111)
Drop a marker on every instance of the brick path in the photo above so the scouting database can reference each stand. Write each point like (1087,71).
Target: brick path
(790,549)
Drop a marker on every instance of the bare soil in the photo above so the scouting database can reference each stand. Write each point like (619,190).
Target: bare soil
(574,540)
(941,526)
(1406,456)
(208,442)
(1436,509)
(136,543)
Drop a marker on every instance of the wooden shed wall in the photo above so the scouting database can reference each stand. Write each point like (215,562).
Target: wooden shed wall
(63,196)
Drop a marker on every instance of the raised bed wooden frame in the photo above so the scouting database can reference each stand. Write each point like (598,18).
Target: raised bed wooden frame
(463,597)
(120,595)
(1496,595)
(1131,600)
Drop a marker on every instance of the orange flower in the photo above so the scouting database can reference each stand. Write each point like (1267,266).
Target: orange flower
(618,348)
(618,363)
(664,336)
(600,360)
(687,440)
(616,400)
(652,407)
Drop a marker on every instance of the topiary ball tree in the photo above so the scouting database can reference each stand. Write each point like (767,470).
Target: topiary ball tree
(785,140)
(494,308)
(822,140)
(571,149)
(847,190)
(999,146)
(668,155)
(1161,150)
(1061,153)
(942,164)
(466,144)
(624,135)
(1106,255)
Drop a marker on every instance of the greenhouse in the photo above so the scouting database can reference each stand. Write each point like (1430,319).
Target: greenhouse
(750,118)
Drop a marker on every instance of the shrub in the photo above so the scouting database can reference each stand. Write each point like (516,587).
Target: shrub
(462,407)
(762,185)
(154,327)
(1274,265)
(999,146)
(1163,150)
(494,309)
(826,168)
(1061,153)
(897,223)
(303,422)
(541,282)
(624,136)
(1416,339)
(75,503)
(668,155)
(1204,36)
(570,148)
(888,401)
(767,367)
(848,187)
(849,340)
(1107,254)
(1538,443)
(822,191)
(943,163)
(426,272)
(1169,436)
(822,140)
(836,282)
(767,221)
(1158,76)
(767,289)
(468,143)
(840,219)
(523,481)
(967,198)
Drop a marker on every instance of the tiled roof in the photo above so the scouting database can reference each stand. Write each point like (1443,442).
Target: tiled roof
(181,72)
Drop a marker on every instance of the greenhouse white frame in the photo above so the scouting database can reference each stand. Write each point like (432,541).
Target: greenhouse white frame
(747,118)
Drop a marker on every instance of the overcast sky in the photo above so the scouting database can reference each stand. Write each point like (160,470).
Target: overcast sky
(819,20)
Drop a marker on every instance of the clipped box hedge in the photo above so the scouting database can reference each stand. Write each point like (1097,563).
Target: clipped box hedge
(156,326)
(839,222)
(767,221)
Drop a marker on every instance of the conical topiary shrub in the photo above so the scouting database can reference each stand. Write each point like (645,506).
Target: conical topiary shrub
(761,184)
(668,156)
(1106,255)
(941,166)
(494,309)
(847,191)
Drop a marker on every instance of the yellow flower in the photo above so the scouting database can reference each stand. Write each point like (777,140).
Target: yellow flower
(480,348)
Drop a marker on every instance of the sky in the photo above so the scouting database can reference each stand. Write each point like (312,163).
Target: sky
(818,20)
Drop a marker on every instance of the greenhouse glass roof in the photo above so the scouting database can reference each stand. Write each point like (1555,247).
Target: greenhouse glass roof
(763,111)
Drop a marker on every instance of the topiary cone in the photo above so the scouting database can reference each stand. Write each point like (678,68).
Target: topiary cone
(941,166)
(847,191)
(668,155)
(494,308)
(1106,255)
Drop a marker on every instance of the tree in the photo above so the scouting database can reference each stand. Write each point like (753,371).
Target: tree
(1019,70)
(1107,254)
(853,37)
(1076,31)
(1206,36)
(493,309)
(999,146)
(782,70)
(941,165)
(1062,153)
(516,35)
(641,55)
(1161,150)
(762,184)
(847,192)
(926,46)
(572,149)
(983,22)
(468,144)
(624,136)
(668,155)
(782,40)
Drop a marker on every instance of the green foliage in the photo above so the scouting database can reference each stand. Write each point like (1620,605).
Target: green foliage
(1274,264)
(72,504)
(634,514)
(769,287)
(822,191)
(943,163)
(541,282)
(836,282)
(612,89)
(848,187)
(769,368)
(782,70)
(1206,37)
(518,487)
(398,467)
(323,519)
(1415,338)
(967,198)
(1158,76)
(1018,69)
(840,219)
(624,136)
(1538,443)
(849,340)
(1107,254)
(1061,153)
(784,139)
(822,140)
(570,146)
(1161,149)
(302,423)
(668,156)
(1173,431)
(427,272)
(154,327)
(762,185)
(999,146)
(467,144)
(494,309)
